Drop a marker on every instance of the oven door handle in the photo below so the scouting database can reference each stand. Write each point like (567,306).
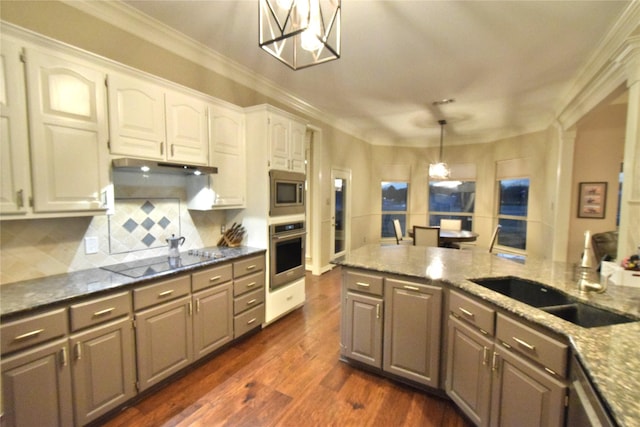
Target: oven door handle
(288,236)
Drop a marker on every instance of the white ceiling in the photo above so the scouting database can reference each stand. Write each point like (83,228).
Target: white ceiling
(508,64)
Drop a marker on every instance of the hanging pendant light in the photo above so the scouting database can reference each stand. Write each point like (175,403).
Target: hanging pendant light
(440,170)
(300,33)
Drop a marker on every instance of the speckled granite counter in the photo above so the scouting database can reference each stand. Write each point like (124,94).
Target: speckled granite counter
(610,354)
(22,297)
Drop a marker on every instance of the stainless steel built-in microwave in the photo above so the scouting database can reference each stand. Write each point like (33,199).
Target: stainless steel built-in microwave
(287,193)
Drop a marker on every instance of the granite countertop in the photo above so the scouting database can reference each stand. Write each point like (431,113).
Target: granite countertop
(610,354)
(20,298)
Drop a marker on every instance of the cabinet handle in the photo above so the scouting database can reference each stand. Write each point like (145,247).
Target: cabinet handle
(190,308)
(103,312)
(377,311)
(525,344)
(20,199)
(363,284)
(104,198)
(251,301)
(485,356)
(197,305)
(251,285)
(494,362)
(251,267)
(214,278)
(162,148)
(63,356)
(411,288)
(28,335)
(165,293)
(78,350)
(466,312)
(251,321)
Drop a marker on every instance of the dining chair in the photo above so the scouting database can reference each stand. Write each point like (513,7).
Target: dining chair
(494,237)
(426,236)
(451,224)
(397,230)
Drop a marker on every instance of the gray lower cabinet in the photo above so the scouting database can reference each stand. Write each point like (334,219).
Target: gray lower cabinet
(516,378)
(363,337)
(412,324)
(212,319)
(36,387)
(164,340)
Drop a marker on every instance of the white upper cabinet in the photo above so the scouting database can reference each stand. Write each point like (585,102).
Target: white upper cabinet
(286,143)
(67,112)
(150,121)
(15,181)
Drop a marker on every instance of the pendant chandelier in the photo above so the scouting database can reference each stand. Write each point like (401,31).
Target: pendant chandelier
(300,33)
(440,170)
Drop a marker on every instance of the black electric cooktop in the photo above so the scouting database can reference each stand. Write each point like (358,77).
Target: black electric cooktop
(151,266)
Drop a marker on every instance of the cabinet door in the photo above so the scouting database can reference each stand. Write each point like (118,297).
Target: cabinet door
(36,387)
(468,381)
(15,183)
(412,331)
(364,329)
(187,129)
(228,155)
(525,395)
(279,145)
(298,138)
(136,117)
(103,369)
(164,341)
(69,133)
(212,319)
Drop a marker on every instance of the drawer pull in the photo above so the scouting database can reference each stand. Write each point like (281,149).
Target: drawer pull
(466,312)
(165,293)
(78,351)
(251,321)
(251,301)
(198,305)
(411,288)
(214,278)
(290,297)
(28,335)
(251,285)
(103,312)
(363,284)
(251,267)
(525,344)
(63,356)
(485,356)
(377,311)
(494,362)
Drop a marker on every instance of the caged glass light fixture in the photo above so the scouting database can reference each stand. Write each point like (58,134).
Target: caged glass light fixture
(300,33)
(440,170)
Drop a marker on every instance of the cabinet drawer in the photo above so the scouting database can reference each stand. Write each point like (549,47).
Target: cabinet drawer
(547,351)
(472,311)
(100,310)
(248,266)
(33,330)
(364,282)
(248,320)
(211,277)
(160,292)
(248,300)
(248,283)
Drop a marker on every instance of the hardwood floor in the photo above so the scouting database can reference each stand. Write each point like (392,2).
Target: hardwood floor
(289,375)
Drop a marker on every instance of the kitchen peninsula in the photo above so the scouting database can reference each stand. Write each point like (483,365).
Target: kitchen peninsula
(609,354)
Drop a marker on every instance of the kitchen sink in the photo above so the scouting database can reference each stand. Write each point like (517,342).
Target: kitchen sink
(553,301)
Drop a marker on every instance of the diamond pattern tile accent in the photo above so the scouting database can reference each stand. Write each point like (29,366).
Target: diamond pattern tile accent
(148,223)
(164,222)
(130,225)
(148,240)
(147,207)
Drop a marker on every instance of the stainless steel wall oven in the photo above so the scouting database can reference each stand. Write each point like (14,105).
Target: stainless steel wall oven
(286,253)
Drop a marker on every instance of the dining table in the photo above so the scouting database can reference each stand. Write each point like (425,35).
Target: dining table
(451,238)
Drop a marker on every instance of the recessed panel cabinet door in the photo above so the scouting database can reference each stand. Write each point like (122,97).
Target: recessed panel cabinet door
(103,368)
(187,129)
(279,142)
(15,182)
(69,133)
(36,387)
(136,117)
(298,135)
(364,329)
(212,319)
(164,341)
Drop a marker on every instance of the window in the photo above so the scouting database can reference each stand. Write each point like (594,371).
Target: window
(512,212)
(452,200)
(394,206)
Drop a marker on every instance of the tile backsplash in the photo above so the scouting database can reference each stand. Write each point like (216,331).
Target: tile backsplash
(32,248)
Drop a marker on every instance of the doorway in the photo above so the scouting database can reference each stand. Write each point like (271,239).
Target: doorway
(340,207)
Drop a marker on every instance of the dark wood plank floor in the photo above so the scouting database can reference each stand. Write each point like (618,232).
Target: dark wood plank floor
(289,375)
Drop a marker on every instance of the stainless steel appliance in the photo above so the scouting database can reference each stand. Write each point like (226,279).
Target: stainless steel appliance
(287,193)
(286,253)
(152,266)
(585,408)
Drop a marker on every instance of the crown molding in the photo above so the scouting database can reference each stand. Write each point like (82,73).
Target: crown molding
(129,19)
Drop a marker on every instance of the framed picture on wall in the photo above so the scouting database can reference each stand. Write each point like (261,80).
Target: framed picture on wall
(592,199)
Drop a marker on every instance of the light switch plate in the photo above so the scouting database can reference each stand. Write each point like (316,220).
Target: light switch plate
(90,245)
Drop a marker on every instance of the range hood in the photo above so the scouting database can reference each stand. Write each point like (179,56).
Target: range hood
(154,166)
